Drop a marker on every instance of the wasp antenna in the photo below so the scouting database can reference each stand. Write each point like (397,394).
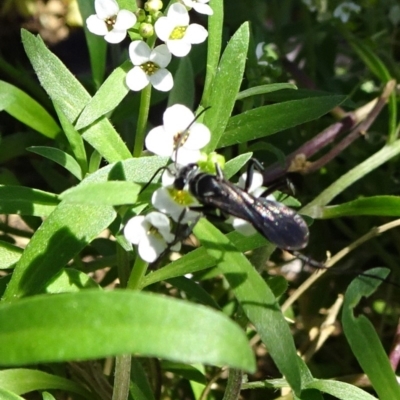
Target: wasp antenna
(152,178)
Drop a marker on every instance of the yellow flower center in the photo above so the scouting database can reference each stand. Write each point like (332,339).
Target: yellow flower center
(180,138)
(110,22)
(149,67)
(178,33)
(153,231)
(181,197)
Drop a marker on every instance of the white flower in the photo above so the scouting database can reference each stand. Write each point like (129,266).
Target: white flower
(175,31)
(109,21)
(172,201)
(151,233)
(149,67)
(200,6)
(344,10)
(260,54)
(179,138)
(256,189)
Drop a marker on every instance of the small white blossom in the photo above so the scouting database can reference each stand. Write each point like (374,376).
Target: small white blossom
(151,233)
(172,201)
(175,31)
(260,54)
(109,21)
(256,189)
(343,11)
(200,6)
(179,138)
(149,67)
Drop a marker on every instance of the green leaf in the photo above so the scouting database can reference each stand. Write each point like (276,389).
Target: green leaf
(256,299)
(7,395)
(60,157)
(183,91)
(364,340)
(110,94)
(70,280)
(122,322)
(27,110)
(65,90)
(188,372)
(140,388)
(257,90)
(24,380)
(376,205)
(267,120)
(26,201)
(340,390)
(226,84)
(67,230)
(235,164)
(112,193)
(9,254)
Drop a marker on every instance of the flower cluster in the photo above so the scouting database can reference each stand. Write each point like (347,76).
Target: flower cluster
(180,138)
(174,29)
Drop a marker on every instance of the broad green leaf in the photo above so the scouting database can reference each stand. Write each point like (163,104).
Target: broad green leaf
(24,380)
(257,90)
(112,193)
(256,298)
(340,390)
(67,230)
(376,205)
(363,339)
(267,120)
(9,254)
(27,110)
(183,91)
(60,157)
(97,324)
(75,140)
(64,89)
(226,84)
(110,94)
(7,395)
(70,280)
(26,201)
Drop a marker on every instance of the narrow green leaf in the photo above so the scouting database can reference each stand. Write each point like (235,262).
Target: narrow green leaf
(364,340)
(112,193)
(188,372)
(256,299)
(75,140)
(7,395)
(24,380)
(121,322)
(226,84)
(70,280)
(183,91)
(267,120)
(67,230)
(257,90)
(26,201)
(376,205)
(140,387)
(340,390)
(9,254)
(60,157)
(27,110)
(110,94)
(235,164)
(64,89)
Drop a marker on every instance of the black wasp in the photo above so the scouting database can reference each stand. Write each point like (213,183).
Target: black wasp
(280,224)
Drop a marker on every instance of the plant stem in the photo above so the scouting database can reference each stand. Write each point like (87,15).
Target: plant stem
(122,377)
(142,121)
(138,271)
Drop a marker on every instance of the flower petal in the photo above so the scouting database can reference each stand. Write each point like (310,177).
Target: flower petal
(106,8)
(162,80)
(139,52)
(159,220)
(96,25)
(256,182)
(125,20)
(243,227)
(115,36)
(135,229)
(163,28)
(163,201)
(179,48)
(195,34)
(161,56)
(198,137)
(186,156)
(151,247)
(159,142)
(203,8)
(177,118)
(136,79)
(178,14)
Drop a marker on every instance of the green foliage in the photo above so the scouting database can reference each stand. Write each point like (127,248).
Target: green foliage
(319,102)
